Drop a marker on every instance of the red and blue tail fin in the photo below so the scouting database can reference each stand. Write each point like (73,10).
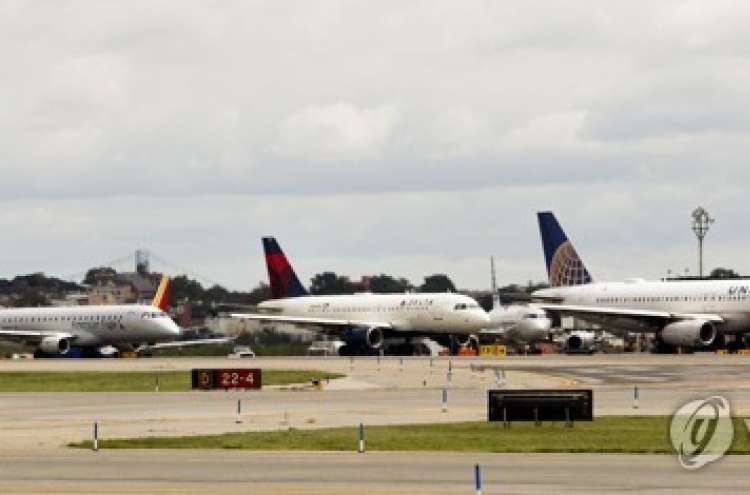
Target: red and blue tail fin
(564,266)
(284,282)
(161,297)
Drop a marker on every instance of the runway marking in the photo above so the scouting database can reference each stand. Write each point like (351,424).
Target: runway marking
(562,379)
(249,487)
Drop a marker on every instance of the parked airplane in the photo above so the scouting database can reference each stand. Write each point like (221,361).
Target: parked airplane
(54,331)
(518,324)
(364,321)
(678,312)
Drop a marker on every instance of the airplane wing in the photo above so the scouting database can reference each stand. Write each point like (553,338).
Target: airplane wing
(643,315)
(187,343)
(371,333)
(330,323)
(541,298)
(30,336)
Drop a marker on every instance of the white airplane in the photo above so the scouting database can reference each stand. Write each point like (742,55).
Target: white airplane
(54,331)
(519,324)
(678,312)
(364,321)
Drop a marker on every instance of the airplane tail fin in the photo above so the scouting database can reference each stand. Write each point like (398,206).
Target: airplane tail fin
(161,298)
(496,302)
(564,266)
(284,282)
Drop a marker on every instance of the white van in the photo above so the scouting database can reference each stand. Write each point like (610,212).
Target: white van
(242,352)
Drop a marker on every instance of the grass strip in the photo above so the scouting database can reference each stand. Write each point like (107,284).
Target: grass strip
(130,381)
(606,434)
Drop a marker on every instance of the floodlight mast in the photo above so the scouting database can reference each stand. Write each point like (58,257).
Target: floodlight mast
(492,275)
(701,222)
(495,295)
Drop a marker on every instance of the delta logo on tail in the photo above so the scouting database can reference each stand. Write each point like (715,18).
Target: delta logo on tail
(564,266)
(284,282)
(161,298)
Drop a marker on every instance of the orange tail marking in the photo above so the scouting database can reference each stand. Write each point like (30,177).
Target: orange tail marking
(161,298)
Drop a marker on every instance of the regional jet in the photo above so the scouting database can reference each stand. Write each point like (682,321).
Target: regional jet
(520,324)
(96,330)
(364,321)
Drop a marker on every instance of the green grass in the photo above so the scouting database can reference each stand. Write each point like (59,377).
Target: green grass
(129,381)
(608,434)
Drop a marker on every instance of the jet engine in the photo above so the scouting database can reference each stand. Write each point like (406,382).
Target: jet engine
(367,337)
(55,345)
(533,328)
(689,333)
(580,341)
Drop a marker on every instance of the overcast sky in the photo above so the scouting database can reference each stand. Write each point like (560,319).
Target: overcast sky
(406,138)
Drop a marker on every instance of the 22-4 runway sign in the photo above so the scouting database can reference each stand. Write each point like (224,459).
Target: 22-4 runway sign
(209,379)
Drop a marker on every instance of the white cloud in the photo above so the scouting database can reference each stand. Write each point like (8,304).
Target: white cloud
(337,133)
(374,136)
(456,132)
(546,134)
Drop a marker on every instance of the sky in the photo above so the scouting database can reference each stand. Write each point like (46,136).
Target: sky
(373,136)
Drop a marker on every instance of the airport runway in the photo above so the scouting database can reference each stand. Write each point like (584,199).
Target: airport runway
(35,427)
(211,472)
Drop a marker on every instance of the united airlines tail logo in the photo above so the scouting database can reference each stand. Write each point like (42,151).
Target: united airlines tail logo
(701,431)
(566,268)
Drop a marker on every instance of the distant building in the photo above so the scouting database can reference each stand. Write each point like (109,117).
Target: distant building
(124,288)
(71,300)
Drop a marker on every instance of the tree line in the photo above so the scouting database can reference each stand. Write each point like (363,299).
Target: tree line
(37,289)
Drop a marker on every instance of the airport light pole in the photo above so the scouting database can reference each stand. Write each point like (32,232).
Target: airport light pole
(701,222)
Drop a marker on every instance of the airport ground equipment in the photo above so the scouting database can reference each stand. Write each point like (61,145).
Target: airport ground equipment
(540,405)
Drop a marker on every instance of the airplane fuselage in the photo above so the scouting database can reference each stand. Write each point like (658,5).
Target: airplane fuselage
(729,299)
(413,313)
(93,325)
(523,323)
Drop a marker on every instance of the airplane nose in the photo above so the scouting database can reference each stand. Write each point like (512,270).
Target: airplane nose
(483,319)
(173,328)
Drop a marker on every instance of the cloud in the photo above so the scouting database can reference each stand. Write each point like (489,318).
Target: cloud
(336,133)
(376,136)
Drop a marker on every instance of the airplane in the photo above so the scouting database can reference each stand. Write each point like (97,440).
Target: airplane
(95,330)
(694,313)
(364,321)
(518,324)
